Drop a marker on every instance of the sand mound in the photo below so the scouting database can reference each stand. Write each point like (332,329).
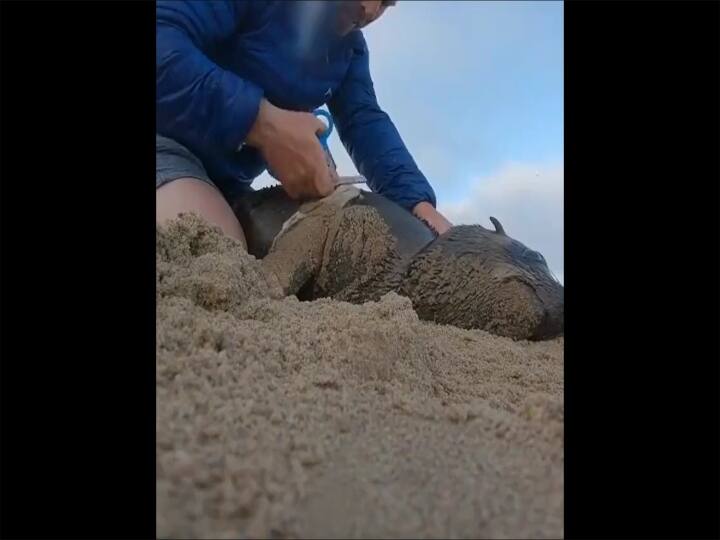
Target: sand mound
(281,418)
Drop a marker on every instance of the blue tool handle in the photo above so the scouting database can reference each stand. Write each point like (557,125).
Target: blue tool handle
(325,135)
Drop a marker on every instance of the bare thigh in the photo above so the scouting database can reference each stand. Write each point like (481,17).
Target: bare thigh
(190,195)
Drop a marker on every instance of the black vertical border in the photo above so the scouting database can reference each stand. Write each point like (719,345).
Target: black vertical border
(641,211)
(77,402)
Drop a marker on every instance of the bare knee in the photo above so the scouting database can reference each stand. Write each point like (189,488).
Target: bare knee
(190,195)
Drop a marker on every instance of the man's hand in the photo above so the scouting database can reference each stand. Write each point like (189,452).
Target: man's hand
(289,144)
(435,219)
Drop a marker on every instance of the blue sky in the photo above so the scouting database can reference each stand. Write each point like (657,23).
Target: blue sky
(475,88)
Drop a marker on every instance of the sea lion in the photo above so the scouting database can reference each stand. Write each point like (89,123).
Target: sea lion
(357,246)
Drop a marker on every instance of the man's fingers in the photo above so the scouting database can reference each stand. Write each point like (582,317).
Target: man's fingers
(321,179)
(324,183)
(291,191)
(320,126)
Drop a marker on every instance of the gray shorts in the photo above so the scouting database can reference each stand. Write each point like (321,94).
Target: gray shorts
(173,161)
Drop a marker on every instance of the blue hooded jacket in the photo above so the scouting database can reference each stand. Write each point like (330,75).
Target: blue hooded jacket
(217,59)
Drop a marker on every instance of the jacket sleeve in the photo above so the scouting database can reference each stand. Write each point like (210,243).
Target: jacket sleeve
(371,139)
(199,103)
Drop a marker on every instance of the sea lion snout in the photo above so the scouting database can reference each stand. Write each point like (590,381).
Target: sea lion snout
(535,306)
(552,324)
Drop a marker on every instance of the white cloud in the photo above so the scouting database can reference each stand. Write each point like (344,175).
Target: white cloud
(526,198)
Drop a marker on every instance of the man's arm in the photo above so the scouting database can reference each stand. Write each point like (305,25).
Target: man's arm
(372,140)
(199,103)
(204,106)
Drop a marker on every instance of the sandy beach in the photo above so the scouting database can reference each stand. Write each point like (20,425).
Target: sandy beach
(278,418)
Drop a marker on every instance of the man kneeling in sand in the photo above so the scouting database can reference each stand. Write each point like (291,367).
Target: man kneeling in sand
(235,83)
